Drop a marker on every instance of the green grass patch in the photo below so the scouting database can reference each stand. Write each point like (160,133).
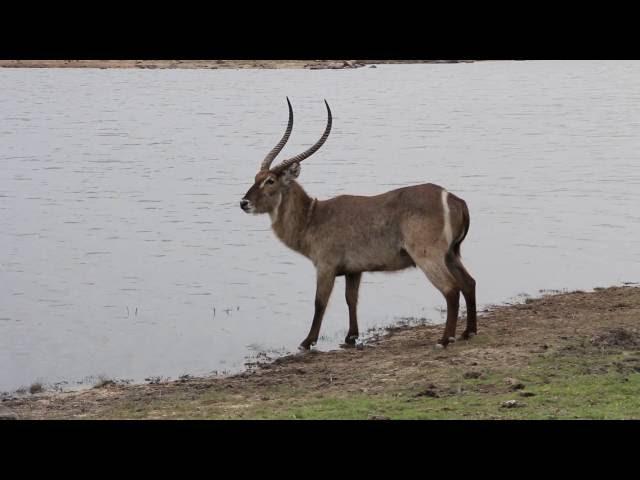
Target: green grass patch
(562,386)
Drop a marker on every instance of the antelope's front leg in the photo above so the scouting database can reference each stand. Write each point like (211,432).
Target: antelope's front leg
(324,286)
(351,294)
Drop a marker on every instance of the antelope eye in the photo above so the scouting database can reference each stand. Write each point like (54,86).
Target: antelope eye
(270,181)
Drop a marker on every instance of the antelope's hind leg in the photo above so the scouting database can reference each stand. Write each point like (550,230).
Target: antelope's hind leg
(435,268)
(468,287)
(352,282)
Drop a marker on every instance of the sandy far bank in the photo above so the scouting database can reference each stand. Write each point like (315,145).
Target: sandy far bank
(209,64)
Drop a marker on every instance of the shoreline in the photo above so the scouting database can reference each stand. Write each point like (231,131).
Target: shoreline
(564,355)
(213,64)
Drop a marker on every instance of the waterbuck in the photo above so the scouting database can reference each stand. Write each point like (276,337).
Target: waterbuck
(422,225)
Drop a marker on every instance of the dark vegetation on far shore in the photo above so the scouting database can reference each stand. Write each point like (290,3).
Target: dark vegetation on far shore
(211,64)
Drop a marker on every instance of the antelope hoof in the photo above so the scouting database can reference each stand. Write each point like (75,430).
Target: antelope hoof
(306,344)
(351,339)
(467,335)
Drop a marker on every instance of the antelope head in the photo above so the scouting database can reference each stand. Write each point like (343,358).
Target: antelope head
(271,182)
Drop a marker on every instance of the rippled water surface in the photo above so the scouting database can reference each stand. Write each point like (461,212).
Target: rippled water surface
(124,253)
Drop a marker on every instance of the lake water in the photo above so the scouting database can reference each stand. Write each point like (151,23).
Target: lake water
(124,253)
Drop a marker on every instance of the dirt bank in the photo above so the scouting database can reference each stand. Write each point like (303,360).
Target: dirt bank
(208,64)
(570,355)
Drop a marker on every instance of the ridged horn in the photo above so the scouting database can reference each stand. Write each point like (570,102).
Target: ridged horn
(266,163)
(310,151)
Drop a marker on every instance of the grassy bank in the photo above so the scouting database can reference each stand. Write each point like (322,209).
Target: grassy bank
(565,356)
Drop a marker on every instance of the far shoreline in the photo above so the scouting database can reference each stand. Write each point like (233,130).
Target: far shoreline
(215,64)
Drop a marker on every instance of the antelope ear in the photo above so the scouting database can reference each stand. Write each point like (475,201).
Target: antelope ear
(291,173)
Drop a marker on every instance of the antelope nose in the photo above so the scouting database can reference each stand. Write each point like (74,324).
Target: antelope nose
(244,203)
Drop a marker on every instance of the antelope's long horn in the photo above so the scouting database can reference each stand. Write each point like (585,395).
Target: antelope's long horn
(266,163)
(312,150)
